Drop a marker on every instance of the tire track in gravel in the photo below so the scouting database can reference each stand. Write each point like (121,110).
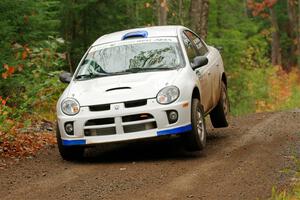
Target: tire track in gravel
(185,185)
(42,186)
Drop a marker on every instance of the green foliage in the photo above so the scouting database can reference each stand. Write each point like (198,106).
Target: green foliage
(36,88)
(5,112)
(234,32)
(244,52)
(280,196)
(293,193)
(12,25)
(294,101)
(84,21)
(175,16)
(246,87)
(29,60)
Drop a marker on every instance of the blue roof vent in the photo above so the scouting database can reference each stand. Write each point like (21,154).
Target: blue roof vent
(136,34)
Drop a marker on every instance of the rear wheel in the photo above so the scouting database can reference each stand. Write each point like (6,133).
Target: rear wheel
(195,140)
(218,115)
(68,152)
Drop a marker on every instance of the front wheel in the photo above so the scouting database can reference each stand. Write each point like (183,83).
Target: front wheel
(218,115)
(195,140)
(69,153)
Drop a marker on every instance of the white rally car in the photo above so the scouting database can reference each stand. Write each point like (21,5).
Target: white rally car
(142,83)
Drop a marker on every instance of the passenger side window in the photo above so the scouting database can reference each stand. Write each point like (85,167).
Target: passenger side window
(189,47)
(200,46)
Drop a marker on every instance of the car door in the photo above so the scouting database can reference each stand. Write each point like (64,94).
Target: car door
(216,62)
(209,69)
(202,72)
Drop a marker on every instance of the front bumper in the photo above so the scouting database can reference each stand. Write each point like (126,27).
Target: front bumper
(118,112)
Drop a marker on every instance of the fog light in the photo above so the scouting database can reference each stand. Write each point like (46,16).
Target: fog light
(69,128)
(172,116)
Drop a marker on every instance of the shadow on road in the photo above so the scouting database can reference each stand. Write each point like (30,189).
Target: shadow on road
(147,151)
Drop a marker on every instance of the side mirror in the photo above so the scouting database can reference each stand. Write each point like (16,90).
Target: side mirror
(220,48)
(199,61)
(65,77)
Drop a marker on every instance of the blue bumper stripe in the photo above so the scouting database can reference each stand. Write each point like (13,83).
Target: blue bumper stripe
(177,130)
(73,142)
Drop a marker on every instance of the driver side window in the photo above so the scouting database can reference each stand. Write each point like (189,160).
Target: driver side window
(189,47)
(202,49)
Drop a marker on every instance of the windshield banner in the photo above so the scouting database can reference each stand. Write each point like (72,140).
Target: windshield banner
(133,41)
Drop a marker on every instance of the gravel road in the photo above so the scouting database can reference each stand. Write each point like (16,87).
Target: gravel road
(243,161)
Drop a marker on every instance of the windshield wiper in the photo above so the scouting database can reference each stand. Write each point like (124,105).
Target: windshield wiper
(158,68)
(90,76)
(132,70)
(137,69)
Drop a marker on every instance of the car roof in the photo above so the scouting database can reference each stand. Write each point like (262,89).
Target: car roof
(153,31)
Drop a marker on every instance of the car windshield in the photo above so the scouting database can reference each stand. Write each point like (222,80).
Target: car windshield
(131,56)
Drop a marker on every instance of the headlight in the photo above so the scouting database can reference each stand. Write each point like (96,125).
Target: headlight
(168,95)
(70,106)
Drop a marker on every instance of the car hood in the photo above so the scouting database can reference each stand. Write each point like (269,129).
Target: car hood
(114,89)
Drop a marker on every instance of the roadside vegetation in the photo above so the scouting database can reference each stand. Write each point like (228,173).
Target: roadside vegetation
(292,192)
(40,38)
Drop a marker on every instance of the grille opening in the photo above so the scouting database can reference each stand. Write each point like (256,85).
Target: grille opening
(139,127)
(138,117)
(137,103)
(100,107)
(100,132)
(100,121)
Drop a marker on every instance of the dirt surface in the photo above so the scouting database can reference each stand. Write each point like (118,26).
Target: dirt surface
(243,161)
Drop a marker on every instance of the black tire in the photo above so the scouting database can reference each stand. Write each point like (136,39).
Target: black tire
(69,153)
(218,115)
(195,140)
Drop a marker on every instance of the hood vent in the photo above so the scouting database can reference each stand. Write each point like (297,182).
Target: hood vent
(118,88)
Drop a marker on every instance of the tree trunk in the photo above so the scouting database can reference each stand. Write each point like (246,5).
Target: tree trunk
(246,8)
(162,12)
(85,29)
(219,18)
(298,36)
(276,51)
(292,33)
(180,11)
(137,17)
(199,10)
